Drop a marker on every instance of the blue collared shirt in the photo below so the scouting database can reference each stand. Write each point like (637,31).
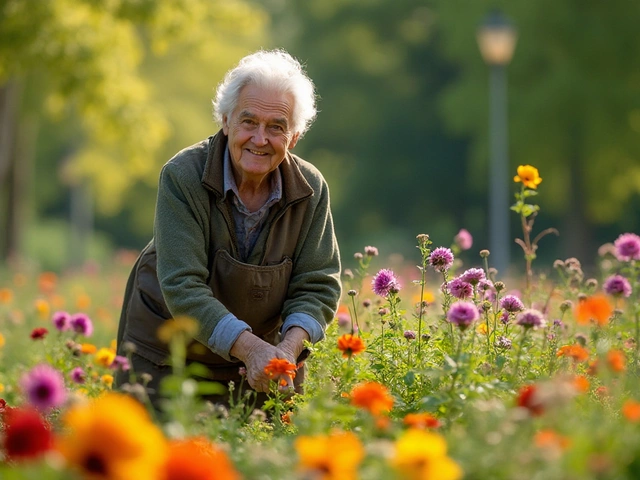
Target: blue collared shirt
(248,226)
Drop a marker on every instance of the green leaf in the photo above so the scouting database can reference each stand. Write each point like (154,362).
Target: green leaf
(211,388)
(409,379)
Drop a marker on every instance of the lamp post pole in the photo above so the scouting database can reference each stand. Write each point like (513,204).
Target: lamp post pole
(499,225)
(497,39)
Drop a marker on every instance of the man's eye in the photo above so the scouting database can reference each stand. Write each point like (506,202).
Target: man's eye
(277,128)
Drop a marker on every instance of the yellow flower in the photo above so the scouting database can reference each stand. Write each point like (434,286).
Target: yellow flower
(42,308)
(422,455)
(529,176)
(482,328)
(184,326)
(112,438)
(2,340)
(105,357)
(107,379)
(83,301)
(330,457)
(1,387)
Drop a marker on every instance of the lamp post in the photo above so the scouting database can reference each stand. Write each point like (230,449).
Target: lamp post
(497,40)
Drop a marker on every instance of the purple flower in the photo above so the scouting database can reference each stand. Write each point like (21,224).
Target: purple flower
(62,321)
(441,259)
(503,343)
(370,251)
(463,239)
(463,314)
(505,318)
(82,324)
(627,247)
(409,334)
(473,276)
(459,288)
(530,319)
(78,375)
(120,363)
(511,304)
(43,386)
(485,285)
(618,286)
(384,282)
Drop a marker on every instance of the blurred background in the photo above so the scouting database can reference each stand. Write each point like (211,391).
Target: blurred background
(420,129)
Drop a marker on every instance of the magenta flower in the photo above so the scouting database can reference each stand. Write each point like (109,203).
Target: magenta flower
(43,386)
(459,288)
(511,304)
(344,319)
(441,259)
(62,321)
(463,239)
(384,282)
(77,375)
(627,247)
(409,334)
(618,286)
(82,324)
(473,276)
(463,314)
(120,363)
(530,319)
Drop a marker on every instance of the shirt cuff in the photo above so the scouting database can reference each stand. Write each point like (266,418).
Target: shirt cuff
(306,322)
(225,335)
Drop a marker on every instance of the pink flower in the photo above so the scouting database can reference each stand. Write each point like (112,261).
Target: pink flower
(44,387)
(627,247)
(384,282)
(463,239)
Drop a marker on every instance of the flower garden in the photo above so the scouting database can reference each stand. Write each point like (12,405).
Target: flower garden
(441,370)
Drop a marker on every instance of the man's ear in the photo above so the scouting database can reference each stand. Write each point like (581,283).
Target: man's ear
(225,125)
(294,140)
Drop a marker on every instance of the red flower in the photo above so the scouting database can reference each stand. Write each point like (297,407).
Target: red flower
(39,333)
(26,434)
(528,398)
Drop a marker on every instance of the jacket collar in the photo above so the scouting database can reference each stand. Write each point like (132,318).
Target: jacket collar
(294,185)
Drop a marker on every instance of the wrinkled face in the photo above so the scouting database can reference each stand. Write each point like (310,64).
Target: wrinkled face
(259,131)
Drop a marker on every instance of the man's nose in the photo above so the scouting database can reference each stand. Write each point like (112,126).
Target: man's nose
(260,136)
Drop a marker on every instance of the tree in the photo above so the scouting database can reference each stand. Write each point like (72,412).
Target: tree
(574,106)
(80,58)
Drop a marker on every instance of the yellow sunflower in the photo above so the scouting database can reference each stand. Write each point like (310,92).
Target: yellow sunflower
(113,438)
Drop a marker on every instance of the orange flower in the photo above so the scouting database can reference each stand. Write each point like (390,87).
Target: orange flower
(597,308)
(47,282)
(616,360)
(373,397)
(529,176)
(631,410)
(336,456)
(581,383)
(280,366)
(6,296)
(88,348)
(576,352)
(421,420)
(350,345)
(197,459)
(550,439)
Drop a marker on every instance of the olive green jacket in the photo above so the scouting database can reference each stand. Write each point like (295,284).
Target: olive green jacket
(193,222)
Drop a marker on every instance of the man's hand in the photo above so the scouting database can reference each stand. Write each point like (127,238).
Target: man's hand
(293,342)
(255,353)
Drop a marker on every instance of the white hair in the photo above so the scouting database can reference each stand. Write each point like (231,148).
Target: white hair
(274,69)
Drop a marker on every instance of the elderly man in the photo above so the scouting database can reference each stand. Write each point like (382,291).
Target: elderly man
(243,238)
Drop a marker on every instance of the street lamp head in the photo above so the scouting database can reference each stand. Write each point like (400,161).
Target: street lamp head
(496,39)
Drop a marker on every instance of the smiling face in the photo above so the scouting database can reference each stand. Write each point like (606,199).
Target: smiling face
(259,131)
